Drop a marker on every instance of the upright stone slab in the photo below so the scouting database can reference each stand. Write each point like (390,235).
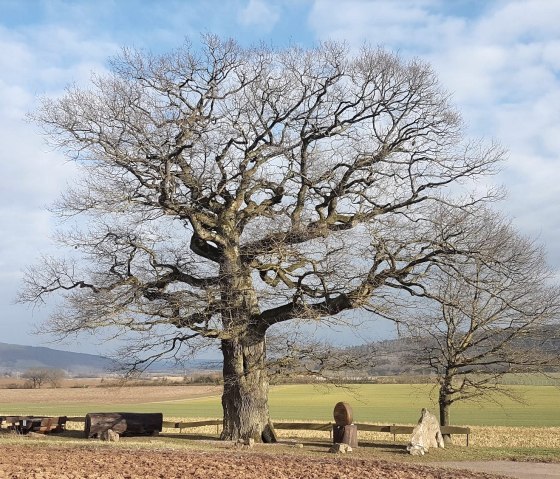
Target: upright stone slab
(426,434)
(344,432)
(346,435)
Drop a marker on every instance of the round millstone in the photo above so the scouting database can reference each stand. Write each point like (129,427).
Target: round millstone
(342,414)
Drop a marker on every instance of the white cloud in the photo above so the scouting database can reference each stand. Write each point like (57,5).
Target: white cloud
(259,13)
(40,60)
(519,20)
(403,26)
(502,66)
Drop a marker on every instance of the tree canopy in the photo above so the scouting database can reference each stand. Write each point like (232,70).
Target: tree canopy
(231,189)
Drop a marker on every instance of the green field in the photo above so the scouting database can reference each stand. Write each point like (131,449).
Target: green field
(375,403)
(400,404)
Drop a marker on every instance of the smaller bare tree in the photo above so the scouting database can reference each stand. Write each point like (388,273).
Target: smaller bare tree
(37,377)
(487,315)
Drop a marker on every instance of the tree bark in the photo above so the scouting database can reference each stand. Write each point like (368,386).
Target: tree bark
(245,397)
(444,403)
(443,413)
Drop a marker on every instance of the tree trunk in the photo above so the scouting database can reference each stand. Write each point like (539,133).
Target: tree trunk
(443,413)
(444,404)
(245,397)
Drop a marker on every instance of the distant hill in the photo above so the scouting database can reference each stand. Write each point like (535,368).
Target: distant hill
(392,356)
(14,357)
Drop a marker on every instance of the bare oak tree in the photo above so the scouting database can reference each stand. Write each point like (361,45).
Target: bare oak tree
(491,314)
(232,189)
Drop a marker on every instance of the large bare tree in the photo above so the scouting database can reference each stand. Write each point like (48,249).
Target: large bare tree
(231,189)
(486,315)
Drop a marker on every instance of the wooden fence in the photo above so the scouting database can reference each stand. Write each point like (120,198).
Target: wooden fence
(308,426)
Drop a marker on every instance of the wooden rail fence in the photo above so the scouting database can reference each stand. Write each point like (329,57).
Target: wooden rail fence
(307,426)
(294,426)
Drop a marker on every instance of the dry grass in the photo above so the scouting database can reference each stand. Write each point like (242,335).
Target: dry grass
(498,444)
(516,437)
(481,436)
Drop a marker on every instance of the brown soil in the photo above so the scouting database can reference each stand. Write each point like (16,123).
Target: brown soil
(100,395)
(35,462)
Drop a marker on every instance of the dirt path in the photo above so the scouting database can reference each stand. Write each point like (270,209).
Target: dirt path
(40,462)
(519,470)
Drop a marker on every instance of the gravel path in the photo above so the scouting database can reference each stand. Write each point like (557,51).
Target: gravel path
(519,470)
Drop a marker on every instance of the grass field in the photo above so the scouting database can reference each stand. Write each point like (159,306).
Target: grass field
(533,426)
(401,404)
(374,403)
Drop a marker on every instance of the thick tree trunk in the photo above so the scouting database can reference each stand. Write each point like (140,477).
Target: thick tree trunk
(245,397)
(444,404)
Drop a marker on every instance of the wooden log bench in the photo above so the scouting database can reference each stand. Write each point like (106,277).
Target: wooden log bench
(40,424)
(123,423)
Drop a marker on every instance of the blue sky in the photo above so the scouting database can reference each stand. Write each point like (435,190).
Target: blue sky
(499,59)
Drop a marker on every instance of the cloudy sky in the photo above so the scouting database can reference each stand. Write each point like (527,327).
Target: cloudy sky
(500,60)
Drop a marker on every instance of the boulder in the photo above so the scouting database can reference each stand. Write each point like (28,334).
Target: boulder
(109,435)
(243,443)
(339,448)
(345,435)
(426,434)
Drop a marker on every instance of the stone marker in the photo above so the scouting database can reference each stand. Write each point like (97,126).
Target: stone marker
(109,435)
(426,434)
(245,443)
(344,432)
(345,435)
(340,448)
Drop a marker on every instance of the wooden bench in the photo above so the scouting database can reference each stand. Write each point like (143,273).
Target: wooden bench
(41,424)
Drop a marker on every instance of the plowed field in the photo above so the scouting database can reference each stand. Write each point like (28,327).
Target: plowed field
(37,462)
